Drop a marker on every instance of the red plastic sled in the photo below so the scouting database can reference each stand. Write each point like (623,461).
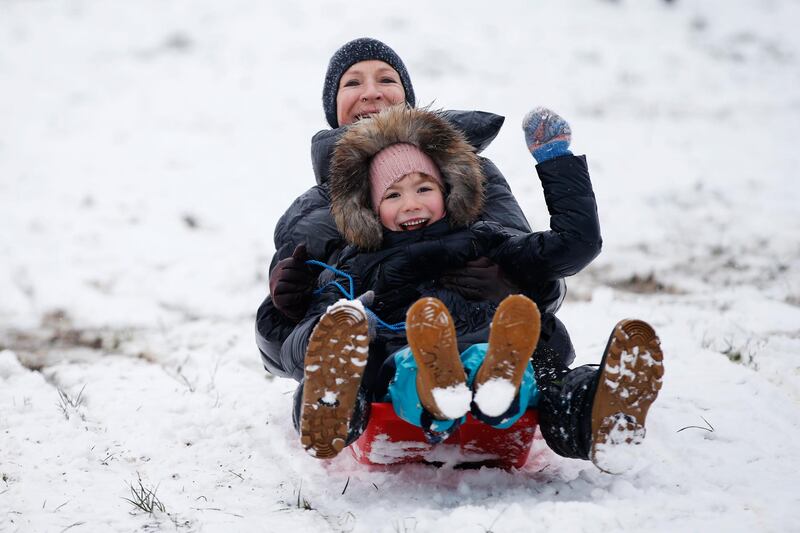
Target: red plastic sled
(389,440)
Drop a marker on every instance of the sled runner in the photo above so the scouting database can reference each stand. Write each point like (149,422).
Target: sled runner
(388,440)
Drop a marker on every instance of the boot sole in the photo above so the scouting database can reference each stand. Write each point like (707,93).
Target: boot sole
(432,338)
(513,338)
(631,375)
(334,365)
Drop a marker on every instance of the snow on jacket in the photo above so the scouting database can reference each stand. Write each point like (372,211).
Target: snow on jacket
(409,263)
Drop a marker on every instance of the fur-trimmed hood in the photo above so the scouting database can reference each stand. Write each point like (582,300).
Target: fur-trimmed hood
(432,133)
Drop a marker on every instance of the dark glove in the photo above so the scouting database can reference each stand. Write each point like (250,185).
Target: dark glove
(430,258)
(291,284)
(424,260)
(489,236)
(480,280)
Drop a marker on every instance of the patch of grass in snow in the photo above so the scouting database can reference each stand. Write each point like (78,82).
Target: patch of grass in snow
(645,284)
(743,353)
(58,333)
(793,299)
(342,523)
(144,498)
(302,502)
(68,404)
(181,377)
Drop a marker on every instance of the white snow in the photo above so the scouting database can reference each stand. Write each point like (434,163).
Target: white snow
(355,307)
(386,452)
(452,401)
(495,396)
(329,398)
(621,451)
(147,149)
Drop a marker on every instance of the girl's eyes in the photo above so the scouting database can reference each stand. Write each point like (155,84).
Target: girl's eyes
(351,83)
(388,80)
(421,190)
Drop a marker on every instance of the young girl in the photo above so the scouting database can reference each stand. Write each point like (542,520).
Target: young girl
(406,189)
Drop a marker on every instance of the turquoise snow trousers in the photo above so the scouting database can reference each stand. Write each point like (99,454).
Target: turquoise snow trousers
(405,399)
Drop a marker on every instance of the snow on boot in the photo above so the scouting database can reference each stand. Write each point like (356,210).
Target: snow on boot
(630,377)
(441,380)
(512,339)
(334,365)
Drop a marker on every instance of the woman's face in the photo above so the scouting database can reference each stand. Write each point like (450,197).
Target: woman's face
(366,88)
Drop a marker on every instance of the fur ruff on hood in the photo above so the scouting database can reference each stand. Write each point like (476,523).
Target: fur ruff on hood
(349,179)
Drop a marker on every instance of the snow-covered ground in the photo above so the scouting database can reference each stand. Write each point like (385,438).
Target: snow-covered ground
(147,149)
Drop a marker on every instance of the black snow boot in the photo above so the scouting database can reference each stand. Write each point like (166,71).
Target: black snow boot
(565,404)
(593,413)
(628,383)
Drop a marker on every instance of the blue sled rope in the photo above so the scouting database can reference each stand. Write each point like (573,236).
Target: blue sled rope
(399,326)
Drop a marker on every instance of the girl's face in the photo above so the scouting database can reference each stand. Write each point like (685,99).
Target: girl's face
(366,88)
(413,202)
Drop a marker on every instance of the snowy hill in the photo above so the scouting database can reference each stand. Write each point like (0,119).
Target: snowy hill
(148,148)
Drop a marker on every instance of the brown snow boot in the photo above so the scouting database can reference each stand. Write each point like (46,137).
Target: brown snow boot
(441,380)
(629,380)
(512,340)
(334,365)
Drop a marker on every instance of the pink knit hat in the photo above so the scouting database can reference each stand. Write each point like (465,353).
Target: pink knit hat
(393,163)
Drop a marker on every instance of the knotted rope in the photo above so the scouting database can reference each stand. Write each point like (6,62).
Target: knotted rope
(399,326)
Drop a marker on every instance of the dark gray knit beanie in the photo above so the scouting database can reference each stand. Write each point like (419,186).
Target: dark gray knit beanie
(363,49)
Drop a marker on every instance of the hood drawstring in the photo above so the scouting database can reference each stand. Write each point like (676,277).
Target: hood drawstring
(399,326)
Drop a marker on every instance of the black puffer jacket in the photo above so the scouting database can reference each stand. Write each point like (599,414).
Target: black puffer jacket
(402,271)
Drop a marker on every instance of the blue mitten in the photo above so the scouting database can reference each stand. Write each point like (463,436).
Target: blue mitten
(546,134)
